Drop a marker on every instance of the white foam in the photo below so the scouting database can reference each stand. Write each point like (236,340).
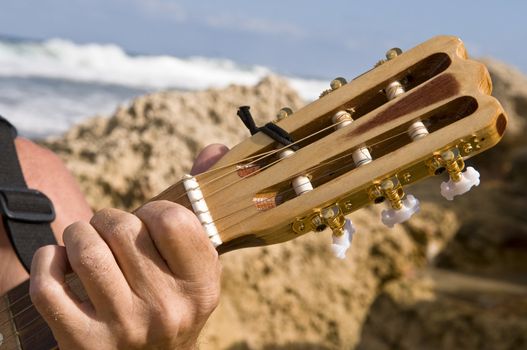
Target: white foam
(110,64)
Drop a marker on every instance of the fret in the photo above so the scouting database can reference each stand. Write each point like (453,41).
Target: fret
(33,332)
(8,340)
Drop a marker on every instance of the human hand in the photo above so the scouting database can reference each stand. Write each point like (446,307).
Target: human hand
(152,278)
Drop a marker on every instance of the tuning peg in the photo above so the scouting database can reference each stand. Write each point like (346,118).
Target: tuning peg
(342,243)
(400,210)
(466,181)
(393,52)
(336,83)
(410,206)
(284,112)
(460,182)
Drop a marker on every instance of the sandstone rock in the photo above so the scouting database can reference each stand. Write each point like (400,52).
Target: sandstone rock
(143,148)
(444,310)
(294,295)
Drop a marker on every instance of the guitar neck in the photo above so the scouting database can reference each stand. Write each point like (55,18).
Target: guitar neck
(21,326)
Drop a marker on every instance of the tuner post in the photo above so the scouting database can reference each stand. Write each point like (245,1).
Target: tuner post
(460,182)
(335,84)
(452,164)
(392,194)
(417,129)
(335,219)
(399,209)
(283,113)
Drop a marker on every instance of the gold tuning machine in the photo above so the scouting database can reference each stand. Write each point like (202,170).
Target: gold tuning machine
(390,55)
(284,112)
(393,52)
(331,216)
(454,163)
(334,85)
(393,191)
(334,218)
(460,182)
(401,206)
(449,160)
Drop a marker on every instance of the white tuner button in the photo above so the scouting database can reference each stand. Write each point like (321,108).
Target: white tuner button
(391,216)
(342,243)
(468,179)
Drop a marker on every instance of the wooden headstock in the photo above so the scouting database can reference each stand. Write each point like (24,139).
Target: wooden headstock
(249,192)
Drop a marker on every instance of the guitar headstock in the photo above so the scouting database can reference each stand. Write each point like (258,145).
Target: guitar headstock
(416,114)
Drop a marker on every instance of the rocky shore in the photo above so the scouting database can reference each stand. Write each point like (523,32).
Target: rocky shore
(455,276)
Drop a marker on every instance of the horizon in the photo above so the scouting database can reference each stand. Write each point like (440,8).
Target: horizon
(309,43)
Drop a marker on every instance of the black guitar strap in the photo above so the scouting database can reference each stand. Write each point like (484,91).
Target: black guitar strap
(26,213)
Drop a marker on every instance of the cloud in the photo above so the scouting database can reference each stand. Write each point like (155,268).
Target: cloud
(254,25)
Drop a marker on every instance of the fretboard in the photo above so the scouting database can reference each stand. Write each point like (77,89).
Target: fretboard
(21,326)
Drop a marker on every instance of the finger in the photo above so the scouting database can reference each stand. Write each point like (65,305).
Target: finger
(50,294)
(181,240)
(132,247)
(208,157)
(92,260)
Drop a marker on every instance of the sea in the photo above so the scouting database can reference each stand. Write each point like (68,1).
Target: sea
(46,86)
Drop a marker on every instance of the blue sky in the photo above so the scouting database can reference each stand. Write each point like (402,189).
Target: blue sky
(308,38)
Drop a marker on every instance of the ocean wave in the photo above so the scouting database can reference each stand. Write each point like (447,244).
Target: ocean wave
(110,64)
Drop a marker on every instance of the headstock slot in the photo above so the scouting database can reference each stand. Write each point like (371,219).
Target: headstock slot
(414,76)
(379,146)
(442,89)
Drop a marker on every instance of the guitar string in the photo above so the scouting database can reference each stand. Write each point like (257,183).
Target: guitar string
(11,304)
(17,332)
(69,278)
(20,298)
(280,193)
(258,157)
(273,163)
(299,174)
(258,170)
(265,155)
(35,333)
(271,152)
(290,189)
(323,164)
(285,191)
(9,320)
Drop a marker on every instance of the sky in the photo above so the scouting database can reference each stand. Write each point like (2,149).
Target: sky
(320,39)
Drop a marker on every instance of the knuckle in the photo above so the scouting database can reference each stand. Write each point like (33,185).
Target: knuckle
(168,321)
(103,215)
(84,252)
(72,232)
(209,301)
(169,215)
(90,256)
(42,294)
(131,336)
(174,219)
(204,297)
(42,290)
(115,225)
